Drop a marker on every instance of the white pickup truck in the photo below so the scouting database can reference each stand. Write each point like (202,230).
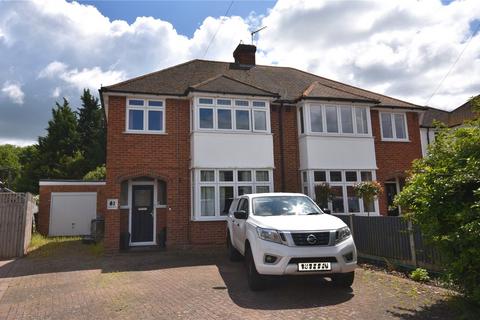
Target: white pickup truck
(288,234)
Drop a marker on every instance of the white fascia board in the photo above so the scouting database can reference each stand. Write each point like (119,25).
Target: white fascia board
(144,96)
(71,183)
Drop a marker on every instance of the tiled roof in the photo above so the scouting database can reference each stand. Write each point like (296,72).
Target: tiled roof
(288,83)
(226,85)
(321,91)
(452,119)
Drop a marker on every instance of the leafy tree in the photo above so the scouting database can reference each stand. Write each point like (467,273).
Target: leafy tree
(91,129)
(59,155)
(9,164)
(99,173)
(29,174)
(442,196)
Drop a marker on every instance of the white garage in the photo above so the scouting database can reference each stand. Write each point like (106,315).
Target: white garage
(71,213)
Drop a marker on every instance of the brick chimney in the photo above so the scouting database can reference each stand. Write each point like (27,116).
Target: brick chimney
(245,54)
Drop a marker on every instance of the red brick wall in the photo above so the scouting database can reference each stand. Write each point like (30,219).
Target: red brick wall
(45,199)
(208,232)
(290,155)
(394,158)
(165,156)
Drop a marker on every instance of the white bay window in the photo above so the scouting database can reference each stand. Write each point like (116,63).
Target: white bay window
(215,189)
(342,198)
(229,114)
(329,119)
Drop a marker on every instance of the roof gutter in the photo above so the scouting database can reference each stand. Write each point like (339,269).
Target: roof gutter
(417,108)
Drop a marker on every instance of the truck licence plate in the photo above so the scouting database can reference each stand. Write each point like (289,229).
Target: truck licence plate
(314,266)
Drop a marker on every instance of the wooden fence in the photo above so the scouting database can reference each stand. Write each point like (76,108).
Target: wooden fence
(393,239)
(16,216)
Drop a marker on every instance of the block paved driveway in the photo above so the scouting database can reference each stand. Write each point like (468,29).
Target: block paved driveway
(69,281)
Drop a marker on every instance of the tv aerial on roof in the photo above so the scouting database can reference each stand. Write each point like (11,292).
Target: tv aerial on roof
(256,31)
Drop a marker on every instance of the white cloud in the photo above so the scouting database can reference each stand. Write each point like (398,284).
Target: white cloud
(17,142)
(13,91)
(400,48)
(91,78)
(53,69)
(56,92)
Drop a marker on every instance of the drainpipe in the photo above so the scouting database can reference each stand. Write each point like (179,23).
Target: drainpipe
(282,146)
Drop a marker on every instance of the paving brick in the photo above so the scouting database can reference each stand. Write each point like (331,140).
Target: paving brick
(72,283)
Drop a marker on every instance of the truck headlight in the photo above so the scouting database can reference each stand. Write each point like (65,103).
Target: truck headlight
(342,234)
(269,235)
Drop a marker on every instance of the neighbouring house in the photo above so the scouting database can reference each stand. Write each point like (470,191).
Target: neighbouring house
(184,141)
(451,119)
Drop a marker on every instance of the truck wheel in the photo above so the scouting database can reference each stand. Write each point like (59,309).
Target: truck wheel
(233,253)
(255,280)
(344,280)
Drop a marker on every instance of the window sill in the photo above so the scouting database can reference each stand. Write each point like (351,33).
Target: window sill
(159,206)
(337,135)
(210,218)
(145,132)
(395,140)
(232,132)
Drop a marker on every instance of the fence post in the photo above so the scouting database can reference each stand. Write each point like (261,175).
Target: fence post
(351,225)
(412,243)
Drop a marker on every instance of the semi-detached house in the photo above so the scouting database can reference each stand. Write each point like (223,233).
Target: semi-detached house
(184,141)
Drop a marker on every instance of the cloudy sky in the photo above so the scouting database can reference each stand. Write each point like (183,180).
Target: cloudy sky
(54,49)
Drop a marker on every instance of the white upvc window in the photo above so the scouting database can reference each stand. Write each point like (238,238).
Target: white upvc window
(342,199)
(215,189)
(145,116)
(332,119)
(393,126)
(229,114)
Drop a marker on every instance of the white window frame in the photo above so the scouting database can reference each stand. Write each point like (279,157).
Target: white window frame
(214,117)
(310,185)
(250,127)
(196,106)
(394,128)
(197,184)
(307,107)
(145,108)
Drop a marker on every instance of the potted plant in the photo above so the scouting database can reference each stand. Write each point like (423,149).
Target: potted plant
(369,191)
(323,194)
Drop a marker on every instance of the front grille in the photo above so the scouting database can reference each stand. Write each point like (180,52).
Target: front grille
(313,259)
(311,238)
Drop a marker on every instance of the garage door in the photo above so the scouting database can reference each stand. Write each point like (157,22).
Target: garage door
(72,212)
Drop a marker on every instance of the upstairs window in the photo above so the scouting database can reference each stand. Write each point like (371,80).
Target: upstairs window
(225,114)
(206,118)
(145,116)
(393,126)
(334,119)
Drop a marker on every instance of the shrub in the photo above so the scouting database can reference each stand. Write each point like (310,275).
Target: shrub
(442,196)
(99,173)
(420,275)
